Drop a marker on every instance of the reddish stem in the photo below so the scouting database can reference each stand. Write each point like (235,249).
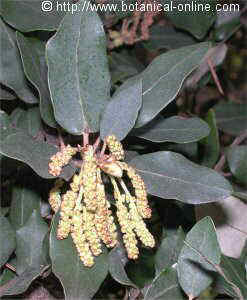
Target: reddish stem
(215,76)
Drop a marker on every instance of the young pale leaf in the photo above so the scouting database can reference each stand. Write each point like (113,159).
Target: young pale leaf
(211,143)
(29,15)
(168,252)
(24,201)
(12,74)
(78,74)
(174,129)
(19,284)
(186,15)
(170,175)
(165,286)
(163,78)
(237,160)
(231,117)
(234,271)
(33,57)
(193,271)
(122,111)
(7,238)
(117,262)
(78,281)
(29,243)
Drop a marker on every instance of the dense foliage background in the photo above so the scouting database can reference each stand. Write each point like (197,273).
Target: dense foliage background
(172,87)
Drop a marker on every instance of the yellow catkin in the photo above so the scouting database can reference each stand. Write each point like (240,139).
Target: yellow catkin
(89,178)
(66,212)
(54,195)
(115,147)
(79,239)
(140,227)
(90,231)
(60,159)
(140,191)
(104,221)
(126,224)
(75,184)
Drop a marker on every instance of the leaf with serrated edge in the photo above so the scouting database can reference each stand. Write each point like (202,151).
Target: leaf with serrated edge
(163,78)
(7,238)
(193,271)
(170,175)
(174,129)
(122,111)
(12,73)
(78,281)
(33,58)
(79,84)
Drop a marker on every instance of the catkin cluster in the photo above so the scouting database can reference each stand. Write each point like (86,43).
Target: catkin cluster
(85,210)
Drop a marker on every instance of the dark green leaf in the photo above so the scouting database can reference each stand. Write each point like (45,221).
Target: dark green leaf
(24,201)
(33,57)
(21,146)
(168,252)
(235,272)
(237,160)
(117,262)
(231,117)
(79,282)
(211,143)
(193,271)
(7,238)
(28,121)
(6,276)
(20,283)
(167,37)
(164,286)
(169,175)
(122,111)
(163,78)
(79,84)
(188,15)
(188,150)
(174,129)
(29,243)
(12,74)
(122,66)
(6,95)
(29,15)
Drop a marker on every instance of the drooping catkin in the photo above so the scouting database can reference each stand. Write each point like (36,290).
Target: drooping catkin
(140,191)
(54,195)
(115,147)
(66,212)
(60,159)
(89,178)
(104,221)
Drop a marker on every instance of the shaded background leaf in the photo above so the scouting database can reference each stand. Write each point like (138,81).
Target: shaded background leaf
(12,73)
(33,57)
(237,161)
